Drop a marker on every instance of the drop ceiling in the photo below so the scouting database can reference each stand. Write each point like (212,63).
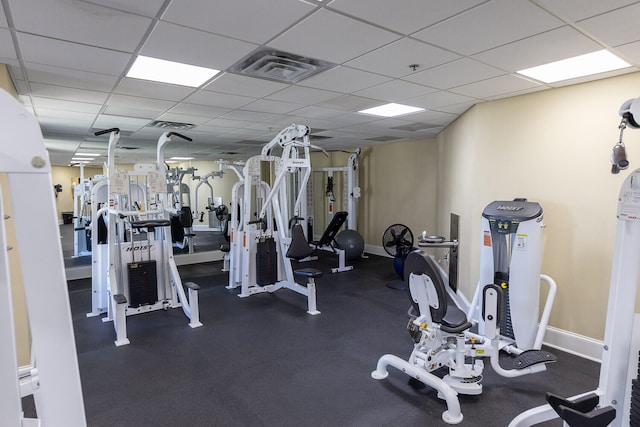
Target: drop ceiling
(68,60)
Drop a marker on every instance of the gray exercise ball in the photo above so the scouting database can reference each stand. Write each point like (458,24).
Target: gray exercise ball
(352,243)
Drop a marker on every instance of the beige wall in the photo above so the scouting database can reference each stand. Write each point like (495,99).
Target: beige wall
(552,147)
(399,183)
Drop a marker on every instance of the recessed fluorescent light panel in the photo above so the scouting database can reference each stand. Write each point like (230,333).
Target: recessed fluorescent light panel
(160,70)
(87,154)
(182,158)
(391,110)
(578,66)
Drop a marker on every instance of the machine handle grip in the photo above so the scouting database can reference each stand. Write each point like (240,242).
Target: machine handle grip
(102,132)
(170,134)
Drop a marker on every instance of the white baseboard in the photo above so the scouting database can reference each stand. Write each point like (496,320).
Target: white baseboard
(573,343)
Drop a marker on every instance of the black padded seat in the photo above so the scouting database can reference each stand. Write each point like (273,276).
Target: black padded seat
(308,272)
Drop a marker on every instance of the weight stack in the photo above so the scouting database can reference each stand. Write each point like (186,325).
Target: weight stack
(143,283)
(634,415)
(266,262)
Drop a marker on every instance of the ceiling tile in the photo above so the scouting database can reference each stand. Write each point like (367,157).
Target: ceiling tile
(259,22)
(344,79)
(495,86)
(143,88)
(7,49)
(268,106)
(217,99)
(63,54)
(175,43)
(407,18)
(67,94)
(141,7)
(3,19)
(251,116)
(303,95)
(349,103)
(611,28)
(317,112)
(105,121)
(456,73)
(395,58)
(199,110)
(554,45)
(323,35)
(62,105)
(127,111)
(629,52)
(44,114)
(80,22)
(490,25)
(576,10)
(395,91)
(183,118)
(71,78)
(438,99)
(246,86)
(149,104)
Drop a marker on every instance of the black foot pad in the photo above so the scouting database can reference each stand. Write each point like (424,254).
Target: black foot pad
(533,357)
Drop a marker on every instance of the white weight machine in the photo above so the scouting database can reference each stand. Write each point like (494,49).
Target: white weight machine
(260,248)
(81,214)
(53,377)
(182,220)
(351,191)
(214,206)
(441,320)
(611,404)
(142,275)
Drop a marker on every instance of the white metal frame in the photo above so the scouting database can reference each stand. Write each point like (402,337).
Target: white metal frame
(53,378)
(246,233)
(619,359)
(153,199)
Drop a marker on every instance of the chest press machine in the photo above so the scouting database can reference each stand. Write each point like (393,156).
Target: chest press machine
(140,274)
(53,378)
(616,401)
(507,291)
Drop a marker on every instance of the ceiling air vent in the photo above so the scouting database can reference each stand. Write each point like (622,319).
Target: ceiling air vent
(171,125)
(271,64)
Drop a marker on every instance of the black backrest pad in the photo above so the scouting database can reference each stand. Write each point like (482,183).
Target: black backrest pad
(299,247)
(419,263)
(332,229)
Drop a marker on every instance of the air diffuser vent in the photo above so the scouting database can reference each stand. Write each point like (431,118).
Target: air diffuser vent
(171,125)
(271,64)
